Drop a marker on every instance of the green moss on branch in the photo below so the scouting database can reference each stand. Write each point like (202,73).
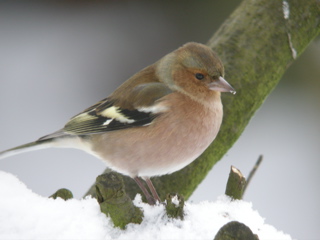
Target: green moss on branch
(256,45)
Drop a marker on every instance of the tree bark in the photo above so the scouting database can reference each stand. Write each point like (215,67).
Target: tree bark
(236,184)
(257,43)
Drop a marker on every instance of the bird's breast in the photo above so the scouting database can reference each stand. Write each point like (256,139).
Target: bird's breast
(173,140)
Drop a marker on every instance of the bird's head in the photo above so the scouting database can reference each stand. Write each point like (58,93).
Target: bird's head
(193,69)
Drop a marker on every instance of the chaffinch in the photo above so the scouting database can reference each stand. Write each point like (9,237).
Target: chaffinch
(157,122)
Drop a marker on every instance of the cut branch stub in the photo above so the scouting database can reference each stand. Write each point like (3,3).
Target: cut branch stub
(63,193)
(174,206)
(236,184)
(235,231)
(114,201)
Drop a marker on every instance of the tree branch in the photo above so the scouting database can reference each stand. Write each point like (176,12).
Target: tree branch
(256,44)
(235,184)
(252,172)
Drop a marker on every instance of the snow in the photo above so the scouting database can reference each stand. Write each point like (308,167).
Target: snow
(286,10)
(286,14)
(175,200)
(26,215)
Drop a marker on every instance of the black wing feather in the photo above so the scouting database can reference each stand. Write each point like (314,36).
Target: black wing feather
(95,119)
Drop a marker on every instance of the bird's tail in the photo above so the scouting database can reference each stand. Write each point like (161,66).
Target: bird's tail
(40,144)
(56,139)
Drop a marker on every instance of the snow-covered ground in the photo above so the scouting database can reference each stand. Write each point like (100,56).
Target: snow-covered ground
(26,215)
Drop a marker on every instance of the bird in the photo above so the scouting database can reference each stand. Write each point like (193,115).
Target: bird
(155,123)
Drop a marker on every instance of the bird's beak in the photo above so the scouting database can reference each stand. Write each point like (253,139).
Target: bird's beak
(221,85)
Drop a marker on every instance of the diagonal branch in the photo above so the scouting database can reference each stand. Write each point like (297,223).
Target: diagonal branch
(257,43)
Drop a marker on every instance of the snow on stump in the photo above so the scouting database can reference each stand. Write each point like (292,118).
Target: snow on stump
(174,206)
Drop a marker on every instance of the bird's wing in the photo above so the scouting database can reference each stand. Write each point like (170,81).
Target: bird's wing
(108,115)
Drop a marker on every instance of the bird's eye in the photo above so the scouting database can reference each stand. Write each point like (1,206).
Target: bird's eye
(199,76)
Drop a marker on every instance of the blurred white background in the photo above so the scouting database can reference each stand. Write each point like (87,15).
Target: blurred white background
(57,59)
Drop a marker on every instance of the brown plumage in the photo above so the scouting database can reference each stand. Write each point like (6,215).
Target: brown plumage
(155,123)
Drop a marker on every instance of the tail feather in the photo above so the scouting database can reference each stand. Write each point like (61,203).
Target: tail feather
(46,143)
(57,134)
(57,139)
